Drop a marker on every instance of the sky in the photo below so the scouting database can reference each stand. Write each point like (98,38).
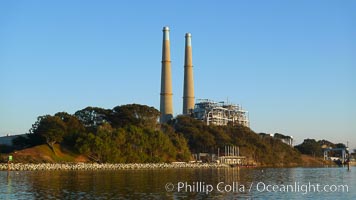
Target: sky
(291,64)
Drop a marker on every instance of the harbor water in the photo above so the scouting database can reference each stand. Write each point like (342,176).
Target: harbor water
(222,183)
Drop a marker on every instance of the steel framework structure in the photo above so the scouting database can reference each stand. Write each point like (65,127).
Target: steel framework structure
(220,113)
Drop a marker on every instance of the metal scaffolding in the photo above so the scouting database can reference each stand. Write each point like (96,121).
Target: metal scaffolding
(220,113)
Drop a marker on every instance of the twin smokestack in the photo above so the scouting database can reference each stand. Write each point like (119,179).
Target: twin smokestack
(166,104)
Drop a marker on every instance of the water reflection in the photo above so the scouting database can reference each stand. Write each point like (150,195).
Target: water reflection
(9,184)
(150,184)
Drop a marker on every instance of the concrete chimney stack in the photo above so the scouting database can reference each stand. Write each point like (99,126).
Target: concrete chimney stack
(188,93)
(166,104)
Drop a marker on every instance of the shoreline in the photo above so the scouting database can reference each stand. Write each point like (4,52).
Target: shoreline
(129,166)
(105,166)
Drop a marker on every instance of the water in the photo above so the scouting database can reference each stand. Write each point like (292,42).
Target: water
(181,183)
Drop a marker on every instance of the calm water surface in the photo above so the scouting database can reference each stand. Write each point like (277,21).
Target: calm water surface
(233,183)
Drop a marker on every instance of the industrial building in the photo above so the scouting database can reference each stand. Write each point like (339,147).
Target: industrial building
(220,113)
(217,113)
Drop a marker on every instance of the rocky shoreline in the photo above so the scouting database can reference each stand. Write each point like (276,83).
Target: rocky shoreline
(106,166)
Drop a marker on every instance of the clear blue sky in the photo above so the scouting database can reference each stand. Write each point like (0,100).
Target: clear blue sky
(291,64)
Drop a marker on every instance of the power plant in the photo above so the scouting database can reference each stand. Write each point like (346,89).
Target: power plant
(220,113)
(210,112)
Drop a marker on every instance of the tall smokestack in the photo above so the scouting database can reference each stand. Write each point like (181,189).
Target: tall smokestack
(166,106)
(188,93)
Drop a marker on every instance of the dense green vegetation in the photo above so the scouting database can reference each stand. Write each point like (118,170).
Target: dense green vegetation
(264,150)
(315,148)
(125,134)
(131,133)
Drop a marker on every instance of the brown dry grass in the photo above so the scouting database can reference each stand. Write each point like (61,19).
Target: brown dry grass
(43,154)
(311,161)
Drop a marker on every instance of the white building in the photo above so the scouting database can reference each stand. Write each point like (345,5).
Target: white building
(220,113)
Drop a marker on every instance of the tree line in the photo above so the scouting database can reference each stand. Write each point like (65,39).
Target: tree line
(264,150)
(124,134)
(316,148)
(131,133)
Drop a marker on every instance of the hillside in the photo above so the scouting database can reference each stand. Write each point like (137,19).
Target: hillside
(43,154)
(310,161)
(131,134)
(264,151)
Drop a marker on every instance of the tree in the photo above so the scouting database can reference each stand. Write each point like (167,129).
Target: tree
(199,137)
(52,128)
(310,147)
(180,143)
(135,114)
(92,117)
(340,145)
(74,128)
(101,146)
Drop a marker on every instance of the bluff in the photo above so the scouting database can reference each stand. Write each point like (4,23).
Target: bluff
(131,133)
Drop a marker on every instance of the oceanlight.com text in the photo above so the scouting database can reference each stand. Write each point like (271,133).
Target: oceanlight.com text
(236,187)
